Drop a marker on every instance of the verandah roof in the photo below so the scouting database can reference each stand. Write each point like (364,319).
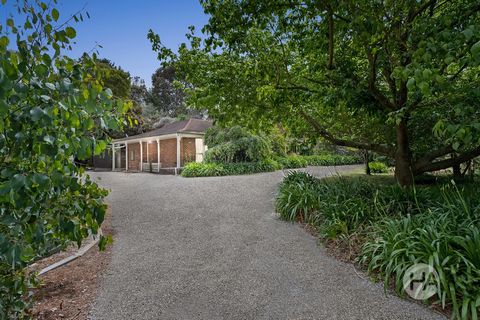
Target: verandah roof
(186,126)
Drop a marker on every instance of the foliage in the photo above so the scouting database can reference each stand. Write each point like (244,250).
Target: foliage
(194,169)
(120,83)
(165,97)
(228,169)
(331,160)
(235,145)
(377,167)
(398,227)
(399,78)
(292,162)
(52,108)
(447,237)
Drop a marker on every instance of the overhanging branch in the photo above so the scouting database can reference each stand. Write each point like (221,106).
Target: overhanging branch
(379,148)
(447,163)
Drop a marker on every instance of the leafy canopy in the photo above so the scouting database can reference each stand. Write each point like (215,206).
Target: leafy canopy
(396,77)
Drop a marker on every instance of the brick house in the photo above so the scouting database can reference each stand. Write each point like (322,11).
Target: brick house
(169,147)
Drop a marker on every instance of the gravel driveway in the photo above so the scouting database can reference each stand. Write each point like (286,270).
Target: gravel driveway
(212,248)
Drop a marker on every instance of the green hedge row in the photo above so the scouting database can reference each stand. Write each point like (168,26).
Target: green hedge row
(395,228)
(291,162)
(228,169)
(211,169)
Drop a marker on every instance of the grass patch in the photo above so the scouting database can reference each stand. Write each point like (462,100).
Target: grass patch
(391,228)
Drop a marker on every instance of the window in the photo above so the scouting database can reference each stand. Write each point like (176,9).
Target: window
(132,155)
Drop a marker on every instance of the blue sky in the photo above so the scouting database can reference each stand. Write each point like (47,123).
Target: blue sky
(121,27)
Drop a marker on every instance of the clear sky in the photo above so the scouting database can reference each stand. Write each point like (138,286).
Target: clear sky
(121,27)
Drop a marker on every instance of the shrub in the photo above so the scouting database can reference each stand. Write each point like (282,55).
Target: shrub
(51,107)
(331,160)
(224,169)
(292,162)
(377,167)
(194,169)
(235,145)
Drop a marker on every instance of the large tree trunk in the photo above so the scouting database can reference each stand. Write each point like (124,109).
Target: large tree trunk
(403,167)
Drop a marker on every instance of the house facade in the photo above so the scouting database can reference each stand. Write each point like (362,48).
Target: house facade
(169,147)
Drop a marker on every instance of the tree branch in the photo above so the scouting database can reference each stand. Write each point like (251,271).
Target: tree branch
(379,148)
(447,163)
(428,158)
(379,96)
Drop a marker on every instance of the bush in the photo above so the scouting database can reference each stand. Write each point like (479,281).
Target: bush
(225,169)
(292,162)
(398,228)
(377,167)
(194,169)
(235,145)
(332,160)
(50,110)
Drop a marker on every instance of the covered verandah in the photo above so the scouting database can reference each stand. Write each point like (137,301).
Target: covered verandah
(156,153)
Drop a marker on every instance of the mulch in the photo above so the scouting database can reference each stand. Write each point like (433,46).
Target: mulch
(69,291)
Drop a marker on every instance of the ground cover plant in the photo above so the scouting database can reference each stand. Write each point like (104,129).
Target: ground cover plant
(395,228)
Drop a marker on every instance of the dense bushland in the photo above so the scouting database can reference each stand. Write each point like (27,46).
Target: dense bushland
(396,228)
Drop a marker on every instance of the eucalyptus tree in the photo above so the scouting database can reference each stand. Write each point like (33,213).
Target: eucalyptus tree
(52,109)
(400,78)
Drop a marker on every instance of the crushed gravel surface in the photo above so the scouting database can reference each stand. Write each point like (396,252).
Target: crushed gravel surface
(212,248)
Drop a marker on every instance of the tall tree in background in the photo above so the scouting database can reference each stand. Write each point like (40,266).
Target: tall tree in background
(120,82)
(400,78)
(164,96)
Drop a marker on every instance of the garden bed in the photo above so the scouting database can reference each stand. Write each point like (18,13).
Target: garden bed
(68,291)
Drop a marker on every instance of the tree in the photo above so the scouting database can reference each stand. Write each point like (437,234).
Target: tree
(122,86)
(164,96)
(400,78)
(49,107)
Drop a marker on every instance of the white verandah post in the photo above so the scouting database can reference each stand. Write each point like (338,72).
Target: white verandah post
(158,155)
(148,162)
(141,156)
(126,156)
(178,150)
(113,156)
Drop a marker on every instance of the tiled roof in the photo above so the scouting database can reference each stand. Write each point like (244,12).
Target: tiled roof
(186,126)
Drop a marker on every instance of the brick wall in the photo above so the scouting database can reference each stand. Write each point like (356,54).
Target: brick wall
(188,150)
(135,149)
(168,153)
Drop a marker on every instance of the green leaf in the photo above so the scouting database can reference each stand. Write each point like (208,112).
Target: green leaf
(411,84)
(71,33)
(4,41)
(55,14)
(49,139)
(475,49)
(36,113)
